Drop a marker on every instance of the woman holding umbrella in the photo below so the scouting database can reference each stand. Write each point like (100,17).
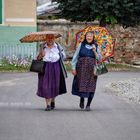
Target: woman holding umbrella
(52,82)
(84,83)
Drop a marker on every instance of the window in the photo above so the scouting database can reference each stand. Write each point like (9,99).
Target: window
(0,11)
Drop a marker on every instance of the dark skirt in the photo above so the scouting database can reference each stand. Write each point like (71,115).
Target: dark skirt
(49,84)
(84,83)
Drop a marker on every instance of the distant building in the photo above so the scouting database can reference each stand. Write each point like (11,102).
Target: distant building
(17,18)
(47,8)
(40,2)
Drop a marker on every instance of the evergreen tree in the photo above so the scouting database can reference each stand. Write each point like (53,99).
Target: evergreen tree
(124,12)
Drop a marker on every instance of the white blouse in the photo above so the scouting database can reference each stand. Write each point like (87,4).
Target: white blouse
(51,54)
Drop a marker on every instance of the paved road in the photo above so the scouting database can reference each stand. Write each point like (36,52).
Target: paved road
(22,115)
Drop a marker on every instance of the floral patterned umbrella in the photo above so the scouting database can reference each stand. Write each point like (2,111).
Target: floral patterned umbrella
(39,36)
(103,38)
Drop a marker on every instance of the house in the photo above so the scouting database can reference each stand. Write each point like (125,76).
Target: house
(17,18)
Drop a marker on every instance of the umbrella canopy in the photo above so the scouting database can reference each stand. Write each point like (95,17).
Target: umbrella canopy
(102,37)
(39,36)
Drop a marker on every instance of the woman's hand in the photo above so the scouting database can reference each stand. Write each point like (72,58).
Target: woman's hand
(40,55)
(74,72)
(95,52)
(94,48)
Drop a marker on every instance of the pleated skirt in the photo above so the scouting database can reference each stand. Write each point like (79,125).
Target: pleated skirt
(49,82)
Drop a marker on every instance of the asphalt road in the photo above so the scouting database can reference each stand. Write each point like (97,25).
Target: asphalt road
(22,115)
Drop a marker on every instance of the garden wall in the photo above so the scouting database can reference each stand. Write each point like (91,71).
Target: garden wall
(127,46)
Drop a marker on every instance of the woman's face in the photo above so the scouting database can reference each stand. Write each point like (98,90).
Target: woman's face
(50,40)
(89,37)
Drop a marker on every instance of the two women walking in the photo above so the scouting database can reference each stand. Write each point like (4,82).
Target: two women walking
(52,83)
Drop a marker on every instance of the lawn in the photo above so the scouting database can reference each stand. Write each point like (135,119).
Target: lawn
(111,67)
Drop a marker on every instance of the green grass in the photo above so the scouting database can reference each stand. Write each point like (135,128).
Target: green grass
(13,68)
(68,66)
(111,67)
(121,67)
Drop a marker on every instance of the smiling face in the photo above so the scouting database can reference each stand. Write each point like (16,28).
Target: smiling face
(89,37)
(50,39)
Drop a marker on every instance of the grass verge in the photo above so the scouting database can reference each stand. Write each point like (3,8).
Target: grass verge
(111,67)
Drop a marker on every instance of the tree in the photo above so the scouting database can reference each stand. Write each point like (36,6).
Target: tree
(124,12)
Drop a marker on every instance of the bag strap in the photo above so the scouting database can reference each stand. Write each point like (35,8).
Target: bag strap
(59,47)
(61,61)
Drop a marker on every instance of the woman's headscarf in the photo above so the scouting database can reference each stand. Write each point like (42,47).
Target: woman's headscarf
(85,40)
(93,42)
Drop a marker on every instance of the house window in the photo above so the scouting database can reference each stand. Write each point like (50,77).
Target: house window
(0,11)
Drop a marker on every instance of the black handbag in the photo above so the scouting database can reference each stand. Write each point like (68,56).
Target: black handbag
(37,66)
(100,69)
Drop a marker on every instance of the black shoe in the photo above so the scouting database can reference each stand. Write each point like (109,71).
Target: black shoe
(87,108)
(81,105)
(52,105)
(48,108)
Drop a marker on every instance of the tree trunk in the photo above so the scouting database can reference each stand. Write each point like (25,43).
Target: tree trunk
(103,22)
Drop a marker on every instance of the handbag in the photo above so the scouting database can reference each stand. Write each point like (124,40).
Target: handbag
(37,66)
(100,69)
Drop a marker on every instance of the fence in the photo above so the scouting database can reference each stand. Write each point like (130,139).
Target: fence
(19,50)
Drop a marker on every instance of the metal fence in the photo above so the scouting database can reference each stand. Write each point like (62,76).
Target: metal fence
(19,50)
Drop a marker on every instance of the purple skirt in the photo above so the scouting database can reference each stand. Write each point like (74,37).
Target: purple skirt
(48,84)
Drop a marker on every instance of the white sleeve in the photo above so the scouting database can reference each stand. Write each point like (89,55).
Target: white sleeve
(75,57)
(99,54)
